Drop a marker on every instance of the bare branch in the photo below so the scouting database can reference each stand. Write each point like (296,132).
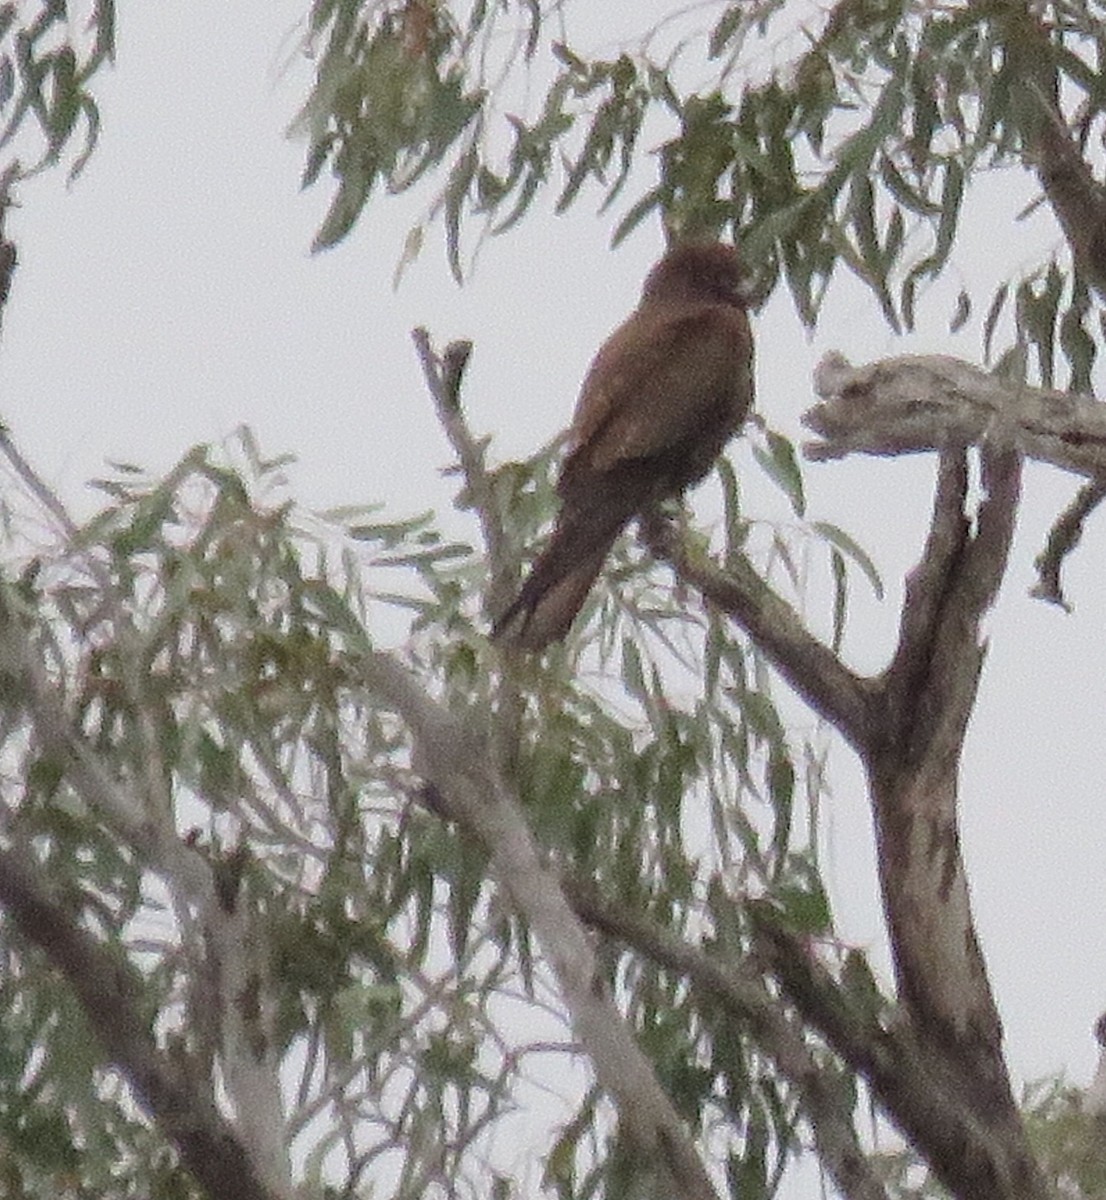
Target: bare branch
(925,588)
(444,375)
(914,403)
(464,783)
(35,485)
(908,726)
(934,673)
(913,765)
(250,1055)
(1063,537)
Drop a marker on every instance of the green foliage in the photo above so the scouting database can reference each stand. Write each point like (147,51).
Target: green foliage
(207,643)
(1066,1139)
(223,688)
(220,687)
(390,100)
(856,149)
(45,74)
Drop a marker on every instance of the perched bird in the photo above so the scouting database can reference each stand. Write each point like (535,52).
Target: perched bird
(662,397)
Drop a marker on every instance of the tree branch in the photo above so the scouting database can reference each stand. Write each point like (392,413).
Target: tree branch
(743,996)
(249,1052)
(914,403)
(110,992)
(464,784)
(1077,199)
(929,691)
(444,375)
(153,840)
(1063,537)
(923,1094)
(908,727)
(927,584)
(812,669)
(251,1079)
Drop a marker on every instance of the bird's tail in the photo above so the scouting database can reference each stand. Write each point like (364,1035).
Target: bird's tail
(558,584)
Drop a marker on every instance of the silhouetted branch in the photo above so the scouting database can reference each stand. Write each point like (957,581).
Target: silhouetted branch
(11,174)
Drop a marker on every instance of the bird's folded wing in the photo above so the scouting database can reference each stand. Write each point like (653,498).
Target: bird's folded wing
(658,378)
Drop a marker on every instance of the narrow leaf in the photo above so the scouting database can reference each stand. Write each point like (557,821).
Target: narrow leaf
(781,465)
(841,541)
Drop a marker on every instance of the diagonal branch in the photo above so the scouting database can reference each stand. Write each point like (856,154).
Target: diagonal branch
(922,1093)
(464,784)
(742,995)
(810,666)
(1063,537)
(110,992)
(1076,197)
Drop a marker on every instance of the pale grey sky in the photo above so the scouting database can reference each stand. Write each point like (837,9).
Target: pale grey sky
(169,295)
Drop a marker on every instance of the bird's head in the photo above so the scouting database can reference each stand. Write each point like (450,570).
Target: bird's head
(699,271)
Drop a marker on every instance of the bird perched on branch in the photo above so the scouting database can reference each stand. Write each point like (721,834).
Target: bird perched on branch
(662,397)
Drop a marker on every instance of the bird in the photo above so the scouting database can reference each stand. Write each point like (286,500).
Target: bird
(662,396)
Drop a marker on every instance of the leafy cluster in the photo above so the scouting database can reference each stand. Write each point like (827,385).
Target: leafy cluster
(190,740)
(854,150)
(45,74)
(205,642)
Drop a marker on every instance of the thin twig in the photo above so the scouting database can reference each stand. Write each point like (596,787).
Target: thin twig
(444,375)
(1063,537)
(34,484)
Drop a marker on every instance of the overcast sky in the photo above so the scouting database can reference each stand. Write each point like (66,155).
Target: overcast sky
(169,295)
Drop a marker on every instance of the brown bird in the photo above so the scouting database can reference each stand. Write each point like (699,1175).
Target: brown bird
(662,397)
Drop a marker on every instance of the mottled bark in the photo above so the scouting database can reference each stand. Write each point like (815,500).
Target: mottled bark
(926,402)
